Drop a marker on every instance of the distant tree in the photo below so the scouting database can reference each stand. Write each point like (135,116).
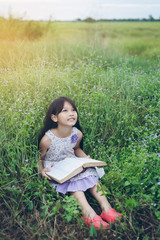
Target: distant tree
(78,20)
(151,18)
(89,19)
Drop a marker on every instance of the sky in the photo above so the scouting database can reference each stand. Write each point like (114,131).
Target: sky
(73,9)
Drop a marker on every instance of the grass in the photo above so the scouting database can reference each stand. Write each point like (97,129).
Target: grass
(112,72)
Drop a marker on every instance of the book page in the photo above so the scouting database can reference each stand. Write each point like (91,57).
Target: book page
(63,168)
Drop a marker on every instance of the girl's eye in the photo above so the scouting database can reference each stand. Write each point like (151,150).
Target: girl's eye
(64,110)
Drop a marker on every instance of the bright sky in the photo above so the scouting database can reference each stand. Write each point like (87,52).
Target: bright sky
(73,9)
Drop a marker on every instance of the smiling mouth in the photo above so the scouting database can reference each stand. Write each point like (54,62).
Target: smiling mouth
(71,119)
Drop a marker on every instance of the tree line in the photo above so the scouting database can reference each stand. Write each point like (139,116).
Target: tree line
(149,19)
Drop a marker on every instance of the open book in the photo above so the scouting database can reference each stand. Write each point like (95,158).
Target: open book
(70,167)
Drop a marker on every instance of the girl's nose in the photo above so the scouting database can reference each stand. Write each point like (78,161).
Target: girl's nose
(71,113)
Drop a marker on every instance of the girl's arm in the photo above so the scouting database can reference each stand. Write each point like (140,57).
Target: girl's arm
(77,150)
(43,147)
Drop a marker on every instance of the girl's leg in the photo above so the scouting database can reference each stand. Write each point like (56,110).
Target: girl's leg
(109,214)
(87,210)
(100,197)
(89,216)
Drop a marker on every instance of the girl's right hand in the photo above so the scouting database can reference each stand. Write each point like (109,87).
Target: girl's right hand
(43,173)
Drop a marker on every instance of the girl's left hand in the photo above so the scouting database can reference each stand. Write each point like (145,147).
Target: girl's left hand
(43,173)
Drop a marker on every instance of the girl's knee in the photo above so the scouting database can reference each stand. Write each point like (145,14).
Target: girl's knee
(78,194)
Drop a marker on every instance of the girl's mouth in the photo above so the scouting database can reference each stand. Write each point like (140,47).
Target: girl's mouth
(71,119)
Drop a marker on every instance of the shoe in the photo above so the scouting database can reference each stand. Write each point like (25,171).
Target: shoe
(111,216)
(97,222)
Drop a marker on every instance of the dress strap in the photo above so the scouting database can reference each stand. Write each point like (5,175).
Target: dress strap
(49,134)
(75,130)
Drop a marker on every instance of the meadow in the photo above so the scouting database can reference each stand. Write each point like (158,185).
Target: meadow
(112,72)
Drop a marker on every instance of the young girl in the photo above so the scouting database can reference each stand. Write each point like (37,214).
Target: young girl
(61,137)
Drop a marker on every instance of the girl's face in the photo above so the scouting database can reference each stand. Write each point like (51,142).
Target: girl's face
(67,117)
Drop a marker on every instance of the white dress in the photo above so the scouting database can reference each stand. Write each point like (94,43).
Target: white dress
(61,148)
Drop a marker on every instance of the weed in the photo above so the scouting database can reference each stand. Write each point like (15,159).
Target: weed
(71,208)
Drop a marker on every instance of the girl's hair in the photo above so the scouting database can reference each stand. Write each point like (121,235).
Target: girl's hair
(55,108)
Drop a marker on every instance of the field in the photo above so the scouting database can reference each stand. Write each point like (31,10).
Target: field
(112,72)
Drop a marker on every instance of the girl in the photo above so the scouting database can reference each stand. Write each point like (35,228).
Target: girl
(62,137)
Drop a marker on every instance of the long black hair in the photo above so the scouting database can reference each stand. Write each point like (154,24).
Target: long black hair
(55,108)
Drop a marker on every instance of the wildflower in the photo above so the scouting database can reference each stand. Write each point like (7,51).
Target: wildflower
(155,136)
(158,183)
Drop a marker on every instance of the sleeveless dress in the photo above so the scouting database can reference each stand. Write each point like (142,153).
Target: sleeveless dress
(61,148)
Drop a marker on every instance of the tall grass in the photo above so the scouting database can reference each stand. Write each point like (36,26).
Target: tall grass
(112,72)
(15,28)
(74,41)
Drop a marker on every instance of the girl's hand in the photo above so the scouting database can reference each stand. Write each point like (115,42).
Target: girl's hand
(43,173)
(88,157)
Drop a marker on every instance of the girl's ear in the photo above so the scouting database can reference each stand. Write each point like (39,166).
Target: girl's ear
(54,118)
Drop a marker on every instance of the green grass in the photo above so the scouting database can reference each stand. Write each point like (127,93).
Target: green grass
(112,72)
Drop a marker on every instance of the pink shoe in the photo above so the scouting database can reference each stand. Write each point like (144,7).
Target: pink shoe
(111,216)
(97,222)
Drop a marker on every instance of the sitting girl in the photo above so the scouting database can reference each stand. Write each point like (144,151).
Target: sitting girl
(61,137)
